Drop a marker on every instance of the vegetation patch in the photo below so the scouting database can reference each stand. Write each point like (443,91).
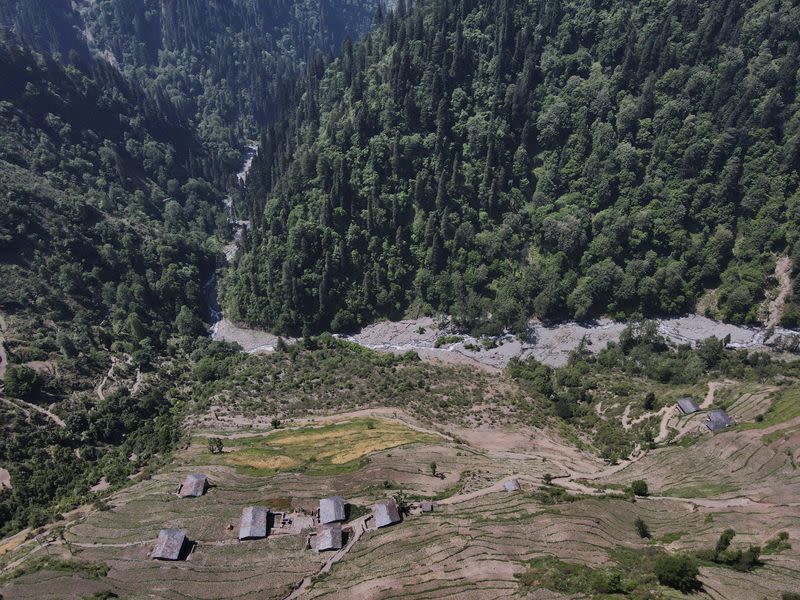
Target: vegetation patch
(634,573)
(699,490)
(90,570)
(326,450)
(785,407)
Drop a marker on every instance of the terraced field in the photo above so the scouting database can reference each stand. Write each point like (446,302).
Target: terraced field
(475,549)
(474,545)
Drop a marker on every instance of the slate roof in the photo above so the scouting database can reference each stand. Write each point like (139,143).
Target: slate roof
(329,537)
(687,405)
(331,509)
(194,485)
(253,524)
(512,485)
(169,544)
(718,419)
(386,513)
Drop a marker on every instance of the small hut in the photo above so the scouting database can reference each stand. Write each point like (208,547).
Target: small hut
(329,537)
(193,486)
(718,420)
(331,510)
(253,524)
(687,405)
(170,544)
(426,507)
(512,485)
(386,513)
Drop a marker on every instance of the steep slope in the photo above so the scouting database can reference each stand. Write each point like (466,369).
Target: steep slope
(104,222)
(111,216)
(496,160)
(50,26)
(223,64)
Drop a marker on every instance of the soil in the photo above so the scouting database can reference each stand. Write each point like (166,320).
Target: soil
(783,271)
(5,479)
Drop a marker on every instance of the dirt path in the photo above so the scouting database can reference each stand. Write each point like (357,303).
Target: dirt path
(3,359)
(783,272)
(713,386)
(3,355)
(46,412)
(137,384)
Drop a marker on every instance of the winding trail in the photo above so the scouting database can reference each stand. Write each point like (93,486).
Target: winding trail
(46,412)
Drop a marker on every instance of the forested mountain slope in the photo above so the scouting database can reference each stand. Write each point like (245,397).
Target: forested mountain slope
(497,159)
(115,145)
(50,26)
(104,228)
(223,64)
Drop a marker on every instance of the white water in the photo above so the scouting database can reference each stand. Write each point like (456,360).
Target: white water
(210,285)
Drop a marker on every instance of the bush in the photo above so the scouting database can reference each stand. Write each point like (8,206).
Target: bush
(641,528)
(777,544)
(678,571)
(215,445)
(639,487)
(22,382)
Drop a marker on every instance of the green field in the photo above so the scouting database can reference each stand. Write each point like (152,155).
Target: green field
(325,450)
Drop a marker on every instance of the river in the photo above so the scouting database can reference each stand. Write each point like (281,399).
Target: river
(548,343)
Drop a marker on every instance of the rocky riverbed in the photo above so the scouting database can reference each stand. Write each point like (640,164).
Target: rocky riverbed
(549,344)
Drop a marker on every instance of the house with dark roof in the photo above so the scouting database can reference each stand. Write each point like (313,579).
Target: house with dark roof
(169,545)
(253,524)
(385,513)
(512,485)
(718,420)
(687,405)
(329,537)
(193,486)
(331,510)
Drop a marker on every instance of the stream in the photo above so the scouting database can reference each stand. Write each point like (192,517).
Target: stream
(210,291)
(550,344)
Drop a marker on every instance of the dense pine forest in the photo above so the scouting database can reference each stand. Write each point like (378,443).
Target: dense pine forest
(499,159)
(224,65)
(118,139)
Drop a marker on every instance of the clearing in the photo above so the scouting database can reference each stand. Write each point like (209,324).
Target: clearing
(321,450)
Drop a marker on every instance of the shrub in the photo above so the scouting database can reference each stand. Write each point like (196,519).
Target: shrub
(777,544)
(22,382)
(641,528)
(678,571)
(639,487)
(215,445)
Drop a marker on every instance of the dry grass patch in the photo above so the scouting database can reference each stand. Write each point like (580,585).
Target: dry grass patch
(325,450)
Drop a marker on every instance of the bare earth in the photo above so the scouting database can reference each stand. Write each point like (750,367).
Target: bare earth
(783,271)
(5,478)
